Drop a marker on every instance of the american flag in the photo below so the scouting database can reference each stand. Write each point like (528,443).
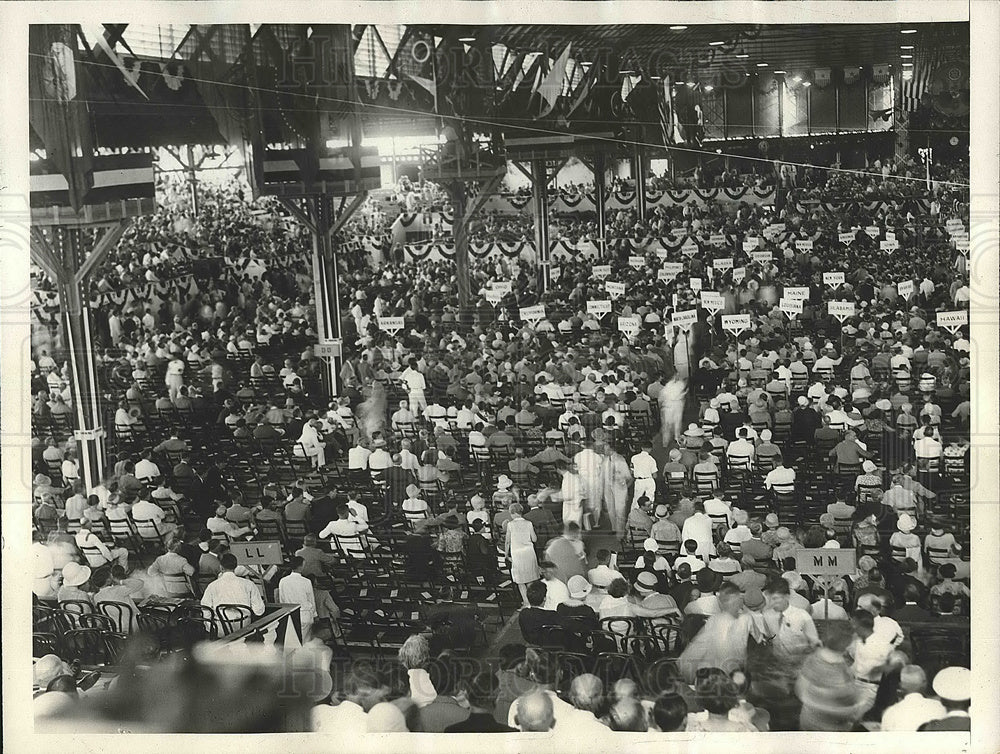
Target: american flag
(925,62)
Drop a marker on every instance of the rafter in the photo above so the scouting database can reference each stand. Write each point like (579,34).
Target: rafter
(105,243)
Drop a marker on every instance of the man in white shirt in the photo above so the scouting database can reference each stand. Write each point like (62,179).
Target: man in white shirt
(698,526)
(415,386)
(781,479)
(345,525)
(218,524)
(741,448)
(792,627)
(914,709)
(296,589)
(644,471)
(603,574)
(871,654)
(556,591)
(403,416)
(146,470)
(86,538)
(357,456)
(143,512)
(230,589)
(379,459)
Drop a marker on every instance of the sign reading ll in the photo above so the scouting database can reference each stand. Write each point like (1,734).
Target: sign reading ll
(257,553)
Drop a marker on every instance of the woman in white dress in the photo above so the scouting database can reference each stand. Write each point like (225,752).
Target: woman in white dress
(572,494)
(519,547)
(617,478)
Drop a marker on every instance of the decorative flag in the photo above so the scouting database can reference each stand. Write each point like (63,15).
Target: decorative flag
(551,85)
(821,77)
(852,74)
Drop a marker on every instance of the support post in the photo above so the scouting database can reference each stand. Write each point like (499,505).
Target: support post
(539,195)
(461,234)
(600,200)
(193,178)
(63,254)
(639,176)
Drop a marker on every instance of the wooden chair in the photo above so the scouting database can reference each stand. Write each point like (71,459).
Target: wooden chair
(122,614)
(178,584)
(233,617)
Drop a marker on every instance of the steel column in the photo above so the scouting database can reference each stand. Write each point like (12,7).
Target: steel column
(539,195)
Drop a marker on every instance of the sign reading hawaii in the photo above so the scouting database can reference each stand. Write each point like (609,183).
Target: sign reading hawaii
(952,321)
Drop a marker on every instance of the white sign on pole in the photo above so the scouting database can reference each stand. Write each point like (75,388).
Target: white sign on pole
(954,224)
(962,245)
(615,290)
(792,307)
(873,231)
(717,239)
(629,326)
(694,284)
(846,238)
(761,257)
(801,293)
(841,309)
(833,279)
(684,320)
(636,262)
(598,308)
(391,325)
(327,350)
(662,254)
(600,271)
(750,243)
(905,288)
(826,561)
(503,286)
(890,235)
(774,229)
(961,235)
(712,301)
(689,247)
(739,273)
(889,246)
(493,296)
(951,321)
(735,323)
(532,314)
(672,269)
(722,263)
(803,244)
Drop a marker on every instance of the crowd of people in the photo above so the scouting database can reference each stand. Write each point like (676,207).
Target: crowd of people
(649,482)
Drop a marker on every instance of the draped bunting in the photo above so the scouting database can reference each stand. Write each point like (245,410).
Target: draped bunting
(618,200)
(916,206)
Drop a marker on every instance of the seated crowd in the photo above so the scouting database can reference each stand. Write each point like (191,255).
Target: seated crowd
(636,501)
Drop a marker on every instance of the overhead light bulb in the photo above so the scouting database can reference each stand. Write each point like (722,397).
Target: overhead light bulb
(677,28)
(716,44)
(907,31)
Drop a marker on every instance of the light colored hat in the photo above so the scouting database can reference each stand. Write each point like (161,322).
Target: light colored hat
(826,519)
(803,401)
(504,482)
(46,669)
(386,717)
(478,500)
(694,430)
(661,511)
(740,516)
(645,582)
(75,574)
(906,523)
(578,587)
(794,579)
(832,544)
(866,563)
(953,684)
(771,520)
(765,435)
(783,534)
(883,404)
(650,545)
(379,443)
(868,467)
(675,455)
(412,490)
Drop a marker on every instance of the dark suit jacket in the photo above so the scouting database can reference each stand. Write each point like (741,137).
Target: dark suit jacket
(531,621)
(479,722)
(954,722)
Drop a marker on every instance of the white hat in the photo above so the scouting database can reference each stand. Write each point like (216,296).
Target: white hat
(650,545)
(953,684)
(694,430)
(75,574)
(868,467)
(504,482)
(765,435)
(906,523)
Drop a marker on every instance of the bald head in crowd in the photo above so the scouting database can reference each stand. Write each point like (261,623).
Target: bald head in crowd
(534,712)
